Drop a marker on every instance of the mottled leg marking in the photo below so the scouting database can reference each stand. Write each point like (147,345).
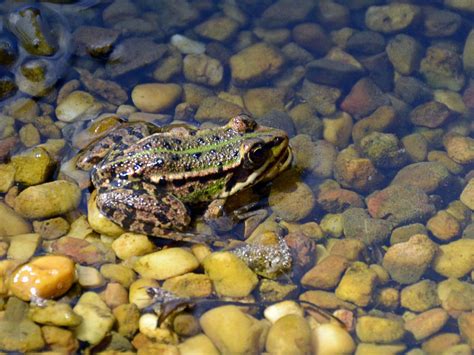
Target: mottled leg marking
(143,211)
(116,141)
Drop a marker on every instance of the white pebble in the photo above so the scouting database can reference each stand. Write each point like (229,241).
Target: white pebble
(186,45)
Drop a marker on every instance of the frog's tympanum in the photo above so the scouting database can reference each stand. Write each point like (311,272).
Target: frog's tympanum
(147,181)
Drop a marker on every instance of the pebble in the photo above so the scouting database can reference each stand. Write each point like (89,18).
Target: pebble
(455,259)
(216,110)
(467,195)
(114,295)
(442,69)
(127,316)
(95,41)
(48,200)
(459,148)
(45,277)
(356,172)
(169,66)
(89,277)
(186,45)
(373,329)
(189,285)
(77,106)
(221,28)
(285,12)
(416,147)
(111,91)
(369,349)
(23,246)
(156,97)
(133,53)
(221,324)
(364,98)
(82,251)
(330,338)
(98,320)
(431,114)
(202,69)
(291,198)
(440,23)
(230,276)
(281,309)
(357,224)
(33,167)
(29,135)
(52,228)
(357,284)
(260,101)
(337,129)
(468,56)
(326,274)
(383,149)
(444,226)
(407,261)
(54,313)
(455,296)
(420,296)
(405,53)
(391,18)
(119,273)
(400,205)
(290,334)
(427,323)
(131,244)
(11,223)
(440,342)
(416,175)
(466,324)
(256,64)
(312,37)
(166,263)
(198,344)
(336,200)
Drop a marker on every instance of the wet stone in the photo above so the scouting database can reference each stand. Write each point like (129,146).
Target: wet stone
(321,98)
(365,43)
(427,323)
(459,148)
(407,261)
(400,205)
(420,296)
(54,313)
(442,69)
(94,41)
(220,29)
(403,233)
(379,330)
(260,101)
(156,97)
(364,98)
(358,224)
(383,149)
(412,90)
(391,18)
(132,54)
(455,259)
(326,274)
(33,166)
(440,23)
(332,72)
(266,61)
(312,37)
(83,251)
(357,284)
(428,176)
(202,69)
(217,110)
(431,114)
(405,53)
(468,56)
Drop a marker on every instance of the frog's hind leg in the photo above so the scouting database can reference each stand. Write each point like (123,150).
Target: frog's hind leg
(116,141)
(142,208)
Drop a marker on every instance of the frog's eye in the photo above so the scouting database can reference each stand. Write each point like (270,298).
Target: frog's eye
(257,155)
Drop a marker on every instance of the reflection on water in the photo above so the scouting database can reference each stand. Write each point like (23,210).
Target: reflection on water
(364,244)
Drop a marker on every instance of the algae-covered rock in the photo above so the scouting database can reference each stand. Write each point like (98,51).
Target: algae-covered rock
(406,262)
(455,259)
(221,325)
(97,318)
(420,296)
(358,284)
(372,329)
(48,200)
(33,167)
(229,274)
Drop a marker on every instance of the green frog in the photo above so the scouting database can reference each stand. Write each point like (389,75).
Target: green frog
(148,181)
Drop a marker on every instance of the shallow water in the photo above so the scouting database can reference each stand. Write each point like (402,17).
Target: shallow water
(377,98)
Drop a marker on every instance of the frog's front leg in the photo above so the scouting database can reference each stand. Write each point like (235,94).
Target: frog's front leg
(116,141)
(217,217)
(142,208)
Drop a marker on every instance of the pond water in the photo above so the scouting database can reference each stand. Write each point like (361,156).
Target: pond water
(131,221)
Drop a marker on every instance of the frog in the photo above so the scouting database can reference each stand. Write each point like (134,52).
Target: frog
(149,180)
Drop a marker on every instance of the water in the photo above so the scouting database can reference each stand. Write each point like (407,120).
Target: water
(374,95)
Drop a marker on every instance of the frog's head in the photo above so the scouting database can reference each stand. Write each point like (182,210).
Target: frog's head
(264,153)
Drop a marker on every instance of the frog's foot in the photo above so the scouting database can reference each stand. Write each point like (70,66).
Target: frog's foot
(143,209)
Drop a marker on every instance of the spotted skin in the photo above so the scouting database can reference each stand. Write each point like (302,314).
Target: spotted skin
(148,183)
